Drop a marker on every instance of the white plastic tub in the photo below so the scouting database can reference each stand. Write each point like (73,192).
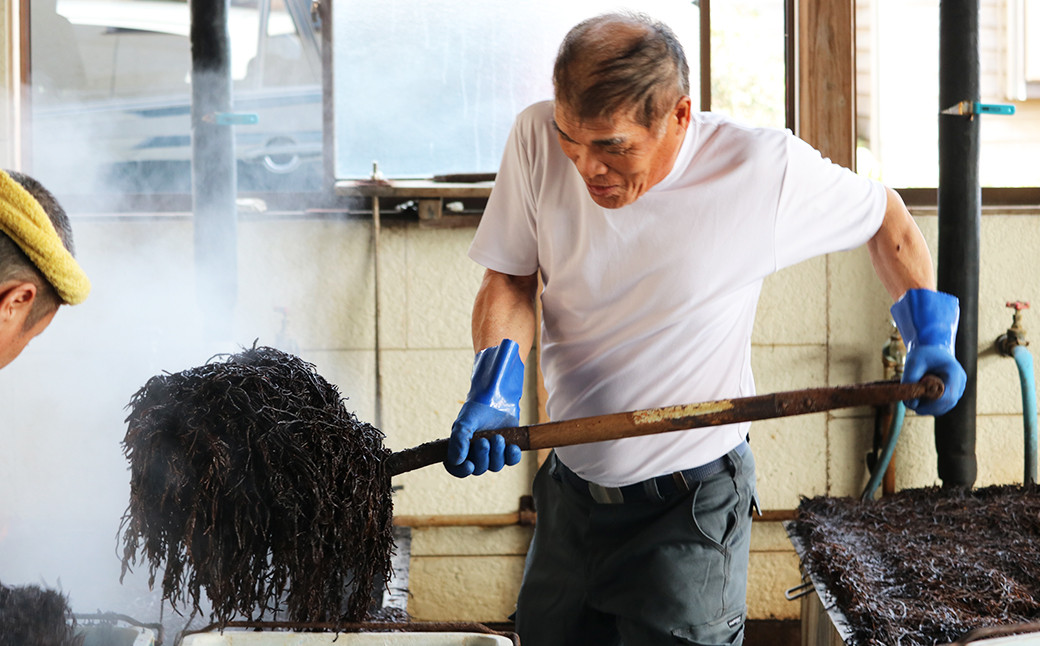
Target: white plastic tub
(109,635)
(1028,639)
(277,638)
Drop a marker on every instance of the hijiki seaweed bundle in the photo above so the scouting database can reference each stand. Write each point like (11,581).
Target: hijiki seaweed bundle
(926,566)
(250,479)
(30,614)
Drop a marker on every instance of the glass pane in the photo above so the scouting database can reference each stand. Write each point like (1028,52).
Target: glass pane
(897,76)
(748,61)
(427,88)
(111,96)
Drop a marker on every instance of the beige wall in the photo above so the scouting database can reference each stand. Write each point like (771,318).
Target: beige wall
(822,322)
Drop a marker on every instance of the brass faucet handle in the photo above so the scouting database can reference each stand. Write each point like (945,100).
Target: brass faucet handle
(1016,334)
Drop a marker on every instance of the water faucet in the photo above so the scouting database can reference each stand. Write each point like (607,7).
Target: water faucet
(1016,334)
(893,354)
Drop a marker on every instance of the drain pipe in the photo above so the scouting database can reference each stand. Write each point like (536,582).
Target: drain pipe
(1013,344)
(213,174)
(960,209)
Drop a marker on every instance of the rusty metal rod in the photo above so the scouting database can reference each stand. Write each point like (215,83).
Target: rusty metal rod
(507,519)
(678,418)
(529,518)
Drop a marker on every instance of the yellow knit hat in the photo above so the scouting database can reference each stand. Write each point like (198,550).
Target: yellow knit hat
(23,219)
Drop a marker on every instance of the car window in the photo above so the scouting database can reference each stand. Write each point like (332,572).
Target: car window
(111,95)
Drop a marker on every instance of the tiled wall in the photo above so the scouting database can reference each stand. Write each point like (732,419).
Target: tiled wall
(61,467)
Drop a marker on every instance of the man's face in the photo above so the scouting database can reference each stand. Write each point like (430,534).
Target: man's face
(14,336)
(619,158)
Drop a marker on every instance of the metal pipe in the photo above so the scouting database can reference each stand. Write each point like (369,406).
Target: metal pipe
(705,54)
(612,426)
(311,19)
(523,517)
(960,207)
(260,60)
(791,64)
(213,173)
(526,517)
(376,229)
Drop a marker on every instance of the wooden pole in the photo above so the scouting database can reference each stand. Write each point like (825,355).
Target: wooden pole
(616,426)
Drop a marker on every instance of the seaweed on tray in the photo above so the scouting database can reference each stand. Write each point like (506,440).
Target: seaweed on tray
(926,566)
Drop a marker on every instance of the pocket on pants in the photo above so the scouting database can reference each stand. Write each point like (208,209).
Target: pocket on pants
(727,631)
(717,510)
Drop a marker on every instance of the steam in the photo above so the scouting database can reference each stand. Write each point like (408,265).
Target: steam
(63,478)
(64,482)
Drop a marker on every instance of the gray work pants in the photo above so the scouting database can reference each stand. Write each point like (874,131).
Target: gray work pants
(671,570)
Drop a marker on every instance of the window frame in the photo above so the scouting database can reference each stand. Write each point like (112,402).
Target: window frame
(800,83)
(21,149)
(924,199)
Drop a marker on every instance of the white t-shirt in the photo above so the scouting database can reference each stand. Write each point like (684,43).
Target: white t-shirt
(653,304)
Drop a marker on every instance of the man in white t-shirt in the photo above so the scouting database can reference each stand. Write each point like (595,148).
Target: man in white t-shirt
(652,228)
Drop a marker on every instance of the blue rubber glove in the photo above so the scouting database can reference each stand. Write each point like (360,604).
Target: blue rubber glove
(928,322)
(493,402)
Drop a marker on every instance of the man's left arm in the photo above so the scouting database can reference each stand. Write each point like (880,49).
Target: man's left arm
(926,318)
(899,252)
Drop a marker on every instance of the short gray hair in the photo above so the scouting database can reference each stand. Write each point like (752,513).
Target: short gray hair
(597,77)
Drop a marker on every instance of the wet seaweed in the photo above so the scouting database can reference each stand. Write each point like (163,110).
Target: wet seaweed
(34,615)
(252,483)
(926,566)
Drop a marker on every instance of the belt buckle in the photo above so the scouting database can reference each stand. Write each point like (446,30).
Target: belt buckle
(679,478)
(606,495)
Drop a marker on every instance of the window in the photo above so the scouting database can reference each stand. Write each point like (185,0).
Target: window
(898,95)
(426,89)
(748,61)
(1023,49)
(111,95)
(421,88)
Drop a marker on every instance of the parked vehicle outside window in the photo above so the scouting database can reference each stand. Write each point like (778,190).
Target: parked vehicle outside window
(423,89)
(111,95)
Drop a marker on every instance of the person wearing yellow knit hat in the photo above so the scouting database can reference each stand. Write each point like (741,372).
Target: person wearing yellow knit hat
(37,270)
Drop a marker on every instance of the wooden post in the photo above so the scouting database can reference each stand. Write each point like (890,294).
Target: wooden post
(826,78)
(9,94)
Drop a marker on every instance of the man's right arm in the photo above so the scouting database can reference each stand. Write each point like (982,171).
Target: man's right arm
(505,309)
(503,331)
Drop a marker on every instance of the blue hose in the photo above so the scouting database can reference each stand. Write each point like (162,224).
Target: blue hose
(1024,361)
(890,448)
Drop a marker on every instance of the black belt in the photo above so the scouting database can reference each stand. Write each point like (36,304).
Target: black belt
(653,489)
